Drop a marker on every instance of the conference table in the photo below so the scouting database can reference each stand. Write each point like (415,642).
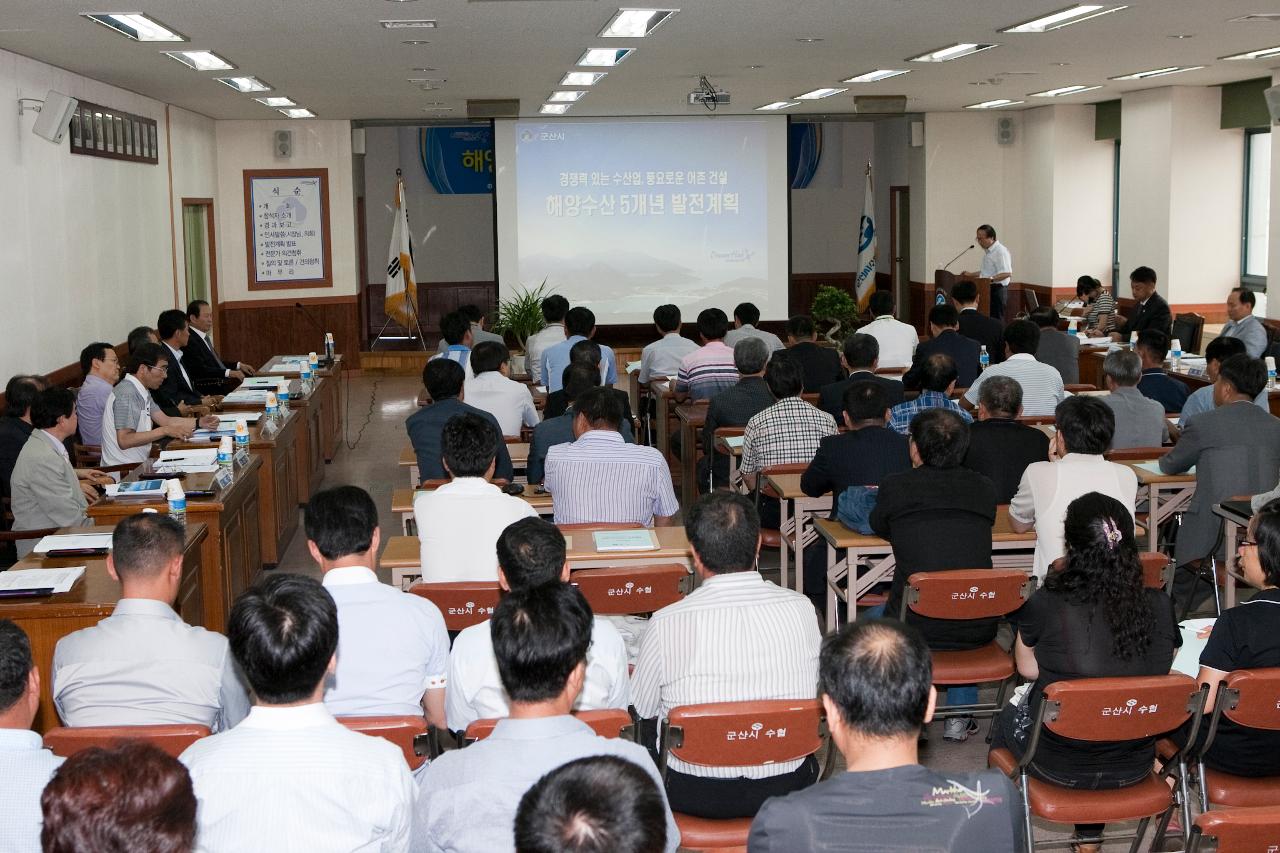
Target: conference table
(325,397)
(310,441)
(1165,494)
(797,511)
(93,598)
(402,504)
(519,451)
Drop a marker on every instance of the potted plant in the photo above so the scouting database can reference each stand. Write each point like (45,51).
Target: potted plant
(521,315)
(835,306)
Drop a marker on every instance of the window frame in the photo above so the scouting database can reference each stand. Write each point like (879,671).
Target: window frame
(1256,283)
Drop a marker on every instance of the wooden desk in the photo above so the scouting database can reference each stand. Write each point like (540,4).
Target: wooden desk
(231,553)
(402,505)
(1234,527)
(93,598)
(734,452)
(1165,495)
(311,432)
(1090,361)
(797,508)
(1195,381)
(664,401)
(518,450)
(327,395)
(692,416)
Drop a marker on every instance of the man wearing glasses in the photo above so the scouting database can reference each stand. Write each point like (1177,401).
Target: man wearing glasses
(129,424)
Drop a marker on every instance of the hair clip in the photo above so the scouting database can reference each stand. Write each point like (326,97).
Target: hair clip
(1112,531)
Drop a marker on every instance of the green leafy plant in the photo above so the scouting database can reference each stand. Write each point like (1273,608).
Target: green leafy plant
(521,315)
(835,306)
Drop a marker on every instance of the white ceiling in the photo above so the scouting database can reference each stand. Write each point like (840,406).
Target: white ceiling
(332,56)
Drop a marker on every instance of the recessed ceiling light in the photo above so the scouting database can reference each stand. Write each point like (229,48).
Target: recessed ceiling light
(754,67)
(244,84)
(819,93)
(992,105)
(1063,90)
(1065,17)
(1182,37)
(423,70)
(565,97)
(955,51)
(583,78)
(554,109)
(1264,53)
(137,26)
(809,40)
(878,74)
(636,23)
(408,25)
(604,57)
(415,42)
(1158,72)
(277,101)
(437,109)
(779,105)
(200,60)
(298,112)
(1062,64)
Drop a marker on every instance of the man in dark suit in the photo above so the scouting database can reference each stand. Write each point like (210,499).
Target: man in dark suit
(944,322)
(987,331)
(821,365)
(579,377)
(860,356)
(1171,393)
(177,395)
(999,446)
(443,379)
(205,367)
(584,352)
(15,426)
(1151,312)
(735,405)
(1057,349)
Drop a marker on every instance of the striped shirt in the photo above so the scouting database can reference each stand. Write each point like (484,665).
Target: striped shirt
(600,478)
(735,638)
(460,354)
(1042,388)
(1101,314)
(787,432)
(706,370)
(900,416)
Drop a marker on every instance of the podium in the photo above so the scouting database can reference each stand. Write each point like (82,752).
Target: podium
(943,281)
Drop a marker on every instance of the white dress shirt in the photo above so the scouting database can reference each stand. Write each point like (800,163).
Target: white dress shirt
(1048,488)
(25,768)
(392,647)
(1042,388)
(475,688)
(510,402)
(663,356)
(295,779)
(747,330)
(897,340)
(458,529)
(143,665)
(995,260)
(176,358)
(539,343)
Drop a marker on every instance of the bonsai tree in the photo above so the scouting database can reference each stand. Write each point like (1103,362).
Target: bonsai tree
(521,315)
(835,306)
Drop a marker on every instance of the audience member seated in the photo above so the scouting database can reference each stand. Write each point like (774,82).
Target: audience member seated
(101,368)
(25,765)
(139,336)
(554,307)
(443,378)
(600,478)
(585,352)
(1084,427)
(475,321)
(205,367)
(468,797)
(745,317)
(1057,349)
(580,324)
(1093,618)
(937,382)
(938,516)
(875,681)
(15,426)
(45,489)
(1201,400)
(1235,450)
(458,341)
(975,325)
(1100,313)
(898,340)
(753,640)
(734,406)
(393,649)
(290,776)
(177,394)
(1150,312)
(709,369)
(1171,393)
(1140,420)
(129,422)
(143,665)
(1242,324)
(459,521)
(132,797)
(821,364)
(531,555)
(1042,387)
(946,339)
(999,446)
(663,356)
(493,391)
(860,355)
(579,377)
(600,804)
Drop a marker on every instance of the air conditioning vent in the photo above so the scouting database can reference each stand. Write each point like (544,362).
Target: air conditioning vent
(493,108)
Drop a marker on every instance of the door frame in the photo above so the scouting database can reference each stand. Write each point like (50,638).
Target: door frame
(897,288)
(212,241)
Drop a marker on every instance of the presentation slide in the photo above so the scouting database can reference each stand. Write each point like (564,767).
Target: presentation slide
(623,215)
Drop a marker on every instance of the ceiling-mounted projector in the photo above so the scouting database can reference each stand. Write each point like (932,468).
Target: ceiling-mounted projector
(702,97)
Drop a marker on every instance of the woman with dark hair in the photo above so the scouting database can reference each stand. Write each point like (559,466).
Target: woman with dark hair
(1100,317)
(1093,618)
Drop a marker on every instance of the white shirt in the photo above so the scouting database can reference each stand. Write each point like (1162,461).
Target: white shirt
(143,665)
(510,402)
(537,344)
(475,688)
(898,340)
(663,356)
(177,359)
(746,330)
(1042,388)
(458,529)
(996,260)
(295,779)
(1047,488)
(25,768)
(112,452)
(735,638)
(392,647)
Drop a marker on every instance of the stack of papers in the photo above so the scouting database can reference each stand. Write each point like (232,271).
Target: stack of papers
(248,395)
(229,419)
(73,542)
(214,434)
(625,540)
(1094,342)
(268,382)
(188,461)
(137,489)
(53,580)
(633,366)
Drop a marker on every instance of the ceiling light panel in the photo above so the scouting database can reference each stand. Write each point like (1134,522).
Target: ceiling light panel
(421,24)
(878,75)
(554,109)
(200,60)
(1064,17)
(1264,53)
(955,51)
(819,93)
(277,101)
(136,26)
(993,105)
(636,23)
(604,57)
(778,105)
(244,84)
(1063,90)
(298,112)
(564,97)
(1158,72)
(583,78)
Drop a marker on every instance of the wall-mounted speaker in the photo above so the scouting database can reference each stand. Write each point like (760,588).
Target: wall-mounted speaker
(357,140)
(283,143)
(1273,103)
(55,116)
(917,134)
(1005,131)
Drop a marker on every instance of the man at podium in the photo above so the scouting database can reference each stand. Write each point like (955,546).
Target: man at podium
(996,265)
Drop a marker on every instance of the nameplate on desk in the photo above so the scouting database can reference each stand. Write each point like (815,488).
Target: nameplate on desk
(624,540)
(223,479)
(242,458)
(269,428)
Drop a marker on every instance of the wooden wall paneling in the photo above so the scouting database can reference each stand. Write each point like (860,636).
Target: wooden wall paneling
(254,330)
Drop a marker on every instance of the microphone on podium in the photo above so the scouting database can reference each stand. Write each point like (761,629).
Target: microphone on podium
(957,257)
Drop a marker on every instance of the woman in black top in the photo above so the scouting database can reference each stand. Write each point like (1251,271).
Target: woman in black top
(1092,619)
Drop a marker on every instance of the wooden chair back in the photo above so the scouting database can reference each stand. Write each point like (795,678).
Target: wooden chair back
(86,455)
(966,593)
(1157,570)
(172,739)
(630,590)
(462,604)
(1251,697)
(740,734)
(1246,830)
(608,722)
(1119,709)
(408,732)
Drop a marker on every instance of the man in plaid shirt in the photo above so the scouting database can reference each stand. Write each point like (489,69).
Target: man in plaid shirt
(937,380)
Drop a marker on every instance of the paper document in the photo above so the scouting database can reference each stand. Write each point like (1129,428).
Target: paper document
(734,440)
(136,489)
(625,540)
(247,395)
(60,580)
(269,382)
(1095,342)
(1153,467)
(72,541)
(213,434)
(633,366)
(1187,660)
(232,417)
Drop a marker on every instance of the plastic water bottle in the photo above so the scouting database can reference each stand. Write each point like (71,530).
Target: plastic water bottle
(224,452)
(328,346)
(1175,347)
(1271,373)
(306,385)
(242,434)
(1133,341)
(313,360)
(1073,326)
(177,502)
(273,406)
(282,394)
(984,359)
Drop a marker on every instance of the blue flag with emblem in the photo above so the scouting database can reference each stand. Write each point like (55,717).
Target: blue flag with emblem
(865,280)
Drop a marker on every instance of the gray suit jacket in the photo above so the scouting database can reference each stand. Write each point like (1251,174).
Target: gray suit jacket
(46,492)
(1060,350)
(1236,451)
